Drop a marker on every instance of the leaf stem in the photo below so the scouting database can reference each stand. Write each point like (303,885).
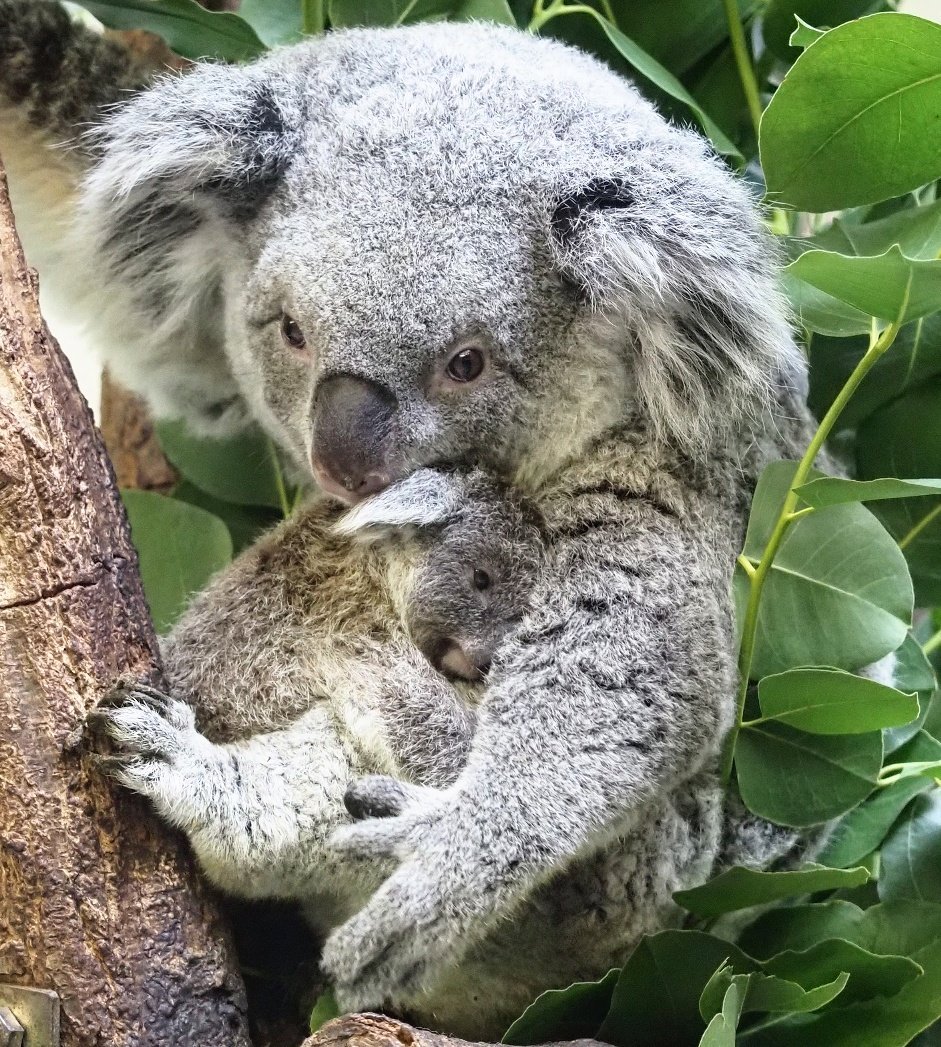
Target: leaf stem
(279,483)
(543,14)
(878,344)
(932,643)
(927,519)
(746,71)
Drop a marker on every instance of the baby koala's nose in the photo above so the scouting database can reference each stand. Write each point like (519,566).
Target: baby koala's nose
(453,660)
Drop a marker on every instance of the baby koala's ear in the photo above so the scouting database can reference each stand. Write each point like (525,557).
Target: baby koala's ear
(423,499)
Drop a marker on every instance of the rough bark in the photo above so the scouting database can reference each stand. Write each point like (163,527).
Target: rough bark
(376,1030)
(97,900)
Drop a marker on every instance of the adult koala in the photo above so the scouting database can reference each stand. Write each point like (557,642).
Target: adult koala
(447,243)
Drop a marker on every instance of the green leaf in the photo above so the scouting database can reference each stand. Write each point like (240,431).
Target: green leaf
(804,35)
(829,701)
(798,927)
(904,439)
(179,547)
(871,974)
(242,469)
(911,856)
(910,929)
(838,593)
(780,17)
(484,11)
(800,779)
(404,12)
(656,999)
(834,490)
(863,829)
(325,1010)
(820,312)
(274,21)
(767,992)
(889,286)
(188,29)
(720,1032)
(912,672)
(246,523)
(915,356)
(741,888)
(564,1014)
(915,230)
(881,79)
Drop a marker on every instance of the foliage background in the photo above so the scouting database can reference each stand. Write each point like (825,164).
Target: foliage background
(831,109)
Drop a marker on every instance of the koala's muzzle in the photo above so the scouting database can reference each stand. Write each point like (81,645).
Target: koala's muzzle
(352,429)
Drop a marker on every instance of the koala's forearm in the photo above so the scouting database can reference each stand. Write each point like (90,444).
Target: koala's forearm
(619,685)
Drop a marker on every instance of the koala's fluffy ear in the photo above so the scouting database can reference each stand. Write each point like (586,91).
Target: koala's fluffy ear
(671,250)
(178,167)
(426,498)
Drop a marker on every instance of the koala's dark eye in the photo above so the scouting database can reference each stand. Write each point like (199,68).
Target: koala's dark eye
(481,579)
(292,334)
(466,364)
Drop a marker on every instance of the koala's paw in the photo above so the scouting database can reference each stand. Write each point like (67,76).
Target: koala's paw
(413,928)
(393,950)
(157,750)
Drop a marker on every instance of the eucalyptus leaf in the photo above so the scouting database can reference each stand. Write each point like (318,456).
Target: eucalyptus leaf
(871,973)
(768,992)
(834,490)
(863,829)
(838,593)
(781,16)
(914,357)
(889,286)
(324,1010)
(799,779)
(656,999)
(564,1014)
(911,929)
(275,21)
(179,548)
(880,77)
(916,231)
(741,888)
(804,35)
(912,672)
(904,439)
(829,701)
(798,927)
(243,469)
(720,1032)
(911,855)
(651,69)
(187,28)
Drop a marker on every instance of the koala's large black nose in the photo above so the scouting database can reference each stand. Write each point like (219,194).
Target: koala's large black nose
(352,423)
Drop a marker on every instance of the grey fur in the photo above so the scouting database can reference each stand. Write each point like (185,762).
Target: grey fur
(402,194)
(301,665)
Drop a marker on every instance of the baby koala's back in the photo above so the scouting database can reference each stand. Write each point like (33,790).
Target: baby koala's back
(246,653)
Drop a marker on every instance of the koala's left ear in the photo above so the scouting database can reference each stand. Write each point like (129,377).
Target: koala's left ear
(671,250)
(426,498)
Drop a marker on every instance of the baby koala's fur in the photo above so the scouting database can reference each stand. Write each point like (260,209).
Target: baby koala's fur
(332,630)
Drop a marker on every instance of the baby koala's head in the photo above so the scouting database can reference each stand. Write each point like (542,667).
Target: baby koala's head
(471,551)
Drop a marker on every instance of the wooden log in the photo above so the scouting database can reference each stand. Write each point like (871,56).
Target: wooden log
(376,1030)
(97,900)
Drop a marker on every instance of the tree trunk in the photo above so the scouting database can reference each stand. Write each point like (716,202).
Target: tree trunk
(97,900)
(376,1030)
(132,445)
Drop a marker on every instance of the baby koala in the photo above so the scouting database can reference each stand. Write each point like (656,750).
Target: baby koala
(344,643)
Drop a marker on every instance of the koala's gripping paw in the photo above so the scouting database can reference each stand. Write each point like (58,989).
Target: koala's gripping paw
(159,753)
(413,927)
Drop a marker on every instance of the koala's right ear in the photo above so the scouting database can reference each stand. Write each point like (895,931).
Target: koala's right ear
(424,499)
(219,132)
(179,167)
